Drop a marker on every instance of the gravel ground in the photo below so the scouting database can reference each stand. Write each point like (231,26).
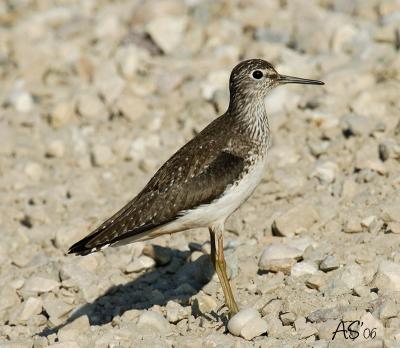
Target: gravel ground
(96,95)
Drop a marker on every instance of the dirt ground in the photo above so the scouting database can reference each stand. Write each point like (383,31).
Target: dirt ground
(96,95)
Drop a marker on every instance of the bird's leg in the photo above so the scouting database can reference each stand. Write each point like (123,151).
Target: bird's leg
(218,261)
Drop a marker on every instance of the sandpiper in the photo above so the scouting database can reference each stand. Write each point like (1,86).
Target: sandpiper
(206,180)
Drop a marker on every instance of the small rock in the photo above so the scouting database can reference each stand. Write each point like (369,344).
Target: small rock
(294,221)
(288,318)
(90,106)
(132,107)
(389,309)
(325,172)
(327,328)
(316,281)
(70,331)
(128,61)
(167,32)
(140,264)
(304,329)
(254,328)
(55,148)
(30,307)
(391,212)
(329,263)
(154,320)
(394,227)
(281,265)
(388,276)
(102,155)
(278,251)
(240,319)
(22,101)
(353,226)
(56,308)
(62,114)
(274,325)
(34,171)
(303,268)
(175,312)
(205,303)
(40,284)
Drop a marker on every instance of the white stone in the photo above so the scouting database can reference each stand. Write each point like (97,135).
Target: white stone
(175,312)
(303,268)
(167,32)
(40,284)
(102,155)
(279,251)
(90,106)
(240,319)
(31,306)
(140,264)
(295,220)
(154,320)
(325,172)
(61,114)
(55,148)
(23,101)
(34,171)
(388,275)
(254,328)
(128,61)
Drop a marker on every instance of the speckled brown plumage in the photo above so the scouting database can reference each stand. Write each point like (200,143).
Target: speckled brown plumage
(200,172)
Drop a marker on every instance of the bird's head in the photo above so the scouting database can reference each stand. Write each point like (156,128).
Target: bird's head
(254,78)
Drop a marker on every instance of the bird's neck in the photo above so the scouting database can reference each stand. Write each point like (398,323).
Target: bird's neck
(251,116)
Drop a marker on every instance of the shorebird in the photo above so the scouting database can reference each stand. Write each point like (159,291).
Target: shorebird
(207,179)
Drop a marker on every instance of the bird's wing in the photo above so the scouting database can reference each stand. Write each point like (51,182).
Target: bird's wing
(182,183)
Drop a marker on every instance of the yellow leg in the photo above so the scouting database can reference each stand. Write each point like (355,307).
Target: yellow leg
(218,261)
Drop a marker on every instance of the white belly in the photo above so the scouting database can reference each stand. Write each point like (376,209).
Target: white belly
(220,209)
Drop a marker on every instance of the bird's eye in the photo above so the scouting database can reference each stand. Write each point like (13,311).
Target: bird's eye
(257,74)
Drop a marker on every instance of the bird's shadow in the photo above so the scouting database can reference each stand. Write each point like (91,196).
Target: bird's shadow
(177,280)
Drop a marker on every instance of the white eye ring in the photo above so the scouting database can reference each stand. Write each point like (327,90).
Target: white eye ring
(257,74)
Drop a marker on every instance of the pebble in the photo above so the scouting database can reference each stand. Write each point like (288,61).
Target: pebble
(90,106)
(62,114)
(140,264)
(325,172)
(55,307)
(303,268)
(280,251)
(205,303)
(295,221)
(23,101)
(175,312)
(78,327)
(288,318)
(254,328)
(40,284)
(388,276)
(102,155)
(240,319)
(30,307)
(167,32)
(155,321)
(34,171)
(353,225)
(329,263)
(55,148)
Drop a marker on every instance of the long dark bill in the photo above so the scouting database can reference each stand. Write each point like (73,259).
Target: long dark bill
(283,79)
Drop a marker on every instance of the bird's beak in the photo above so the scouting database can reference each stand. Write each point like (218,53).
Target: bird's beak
(283,79)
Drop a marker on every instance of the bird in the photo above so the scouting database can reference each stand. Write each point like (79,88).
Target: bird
(208,178)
